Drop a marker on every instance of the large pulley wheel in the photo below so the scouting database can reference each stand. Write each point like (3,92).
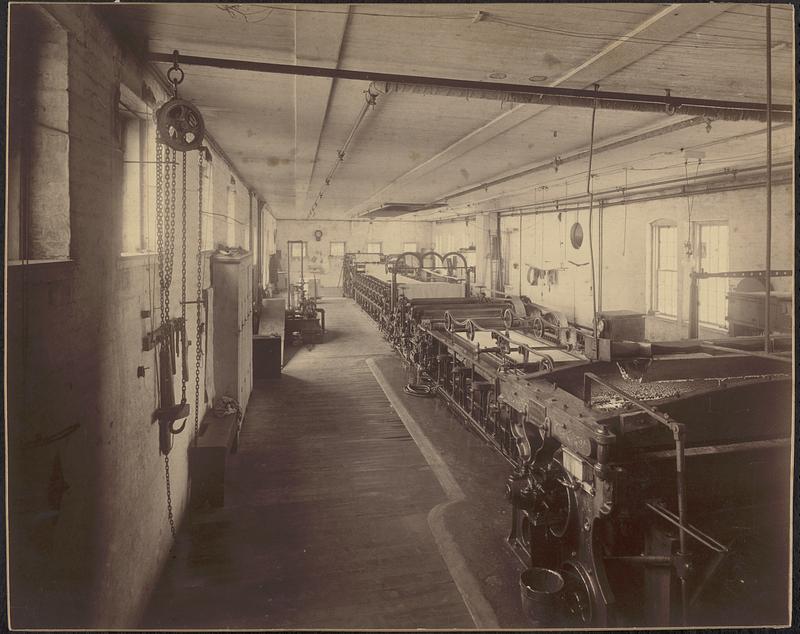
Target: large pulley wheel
(180,125)
(578,594)
(565,498)
(449,322)
(470,330)
(537,327)
(508,318)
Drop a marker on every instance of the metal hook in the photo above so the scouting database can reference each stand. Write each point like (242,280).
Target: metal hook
(175,68)
(668,107)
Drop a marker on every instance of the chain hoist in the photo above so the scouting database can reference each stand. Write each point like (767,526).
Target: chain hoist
(179,128)
(199,333)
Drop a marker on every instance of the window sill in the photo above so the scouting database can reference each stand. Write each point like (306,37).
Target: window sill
(139,258)
(53,261)
(41,271)
(671,319)
(714,328)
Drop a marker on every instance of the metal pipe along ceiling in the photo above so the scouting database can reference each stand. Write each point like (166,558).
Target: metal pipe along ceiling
(725,111)
(516,93)
(369,101)
(668,129)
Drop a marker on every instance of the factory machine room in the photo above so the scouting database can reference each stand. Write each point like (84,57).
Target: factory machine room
(399,316)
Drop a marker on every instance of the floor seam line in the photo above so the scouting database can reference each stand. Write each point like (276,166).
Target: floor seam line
(479,608)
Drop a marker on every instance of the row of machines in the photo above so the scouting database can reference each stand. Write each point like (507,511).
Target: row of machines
(649,482)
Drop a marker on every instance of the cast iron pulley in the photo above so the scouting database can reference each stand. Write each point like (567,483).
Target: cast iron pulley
(578,594)
(538,327)
(180,125)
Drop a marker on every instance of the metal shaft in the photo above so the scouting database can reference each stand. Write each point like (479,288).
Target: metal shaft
(768,263)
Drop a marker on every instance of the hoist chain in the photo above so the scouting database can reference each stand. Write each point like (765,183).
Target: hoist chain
(169,498)
(160,225)
(198,348)
(184,377)
(169,232)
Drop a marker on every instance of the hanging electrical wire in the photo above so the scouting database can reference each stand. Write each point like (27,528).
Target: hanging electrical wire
(482,16)
(689,204)
(589,190)
(610,37)
(625,217)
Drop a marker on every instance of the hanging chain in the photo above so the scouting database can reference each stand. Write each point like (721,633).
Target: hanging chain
(198,347)
(160,225)
(184,376)
(169,228)
(169,498)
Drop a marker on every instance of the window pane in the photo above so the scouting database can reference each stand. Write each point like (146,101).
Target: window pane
(713,258)
(410,246)
(208,204)
(667,248)
(132,208)
(374,247)
(665,276)
(231,219)
(337,249)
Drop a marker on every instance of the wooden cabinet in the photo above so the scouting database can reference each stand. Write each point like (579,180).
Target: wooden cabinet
(232,280)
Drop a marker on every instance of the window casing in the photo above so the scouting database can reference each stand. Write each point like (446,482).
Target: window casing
(338,249)
(133,144)
(298,249)
(374,247)
(665,270)
(712,256)
(38,213)
(410,246)
(231,219)
(207,229)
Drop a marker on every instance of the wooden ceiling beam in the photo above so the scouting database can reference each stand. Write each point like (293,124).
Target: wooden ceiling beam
(665,25)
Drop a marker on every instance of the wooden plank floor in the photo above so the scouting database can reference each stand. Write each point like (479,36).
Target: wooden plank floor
(325,521)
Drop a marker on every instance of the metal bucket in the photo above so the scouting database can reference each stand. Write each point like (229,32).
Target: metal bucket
(540,589)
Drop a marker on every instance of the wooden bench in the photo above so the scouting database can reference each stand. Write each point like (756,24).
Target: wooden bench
(217,437)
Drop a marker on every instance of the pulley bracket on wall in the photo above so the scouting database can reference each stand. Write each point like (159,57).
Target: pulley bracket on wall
(178,122)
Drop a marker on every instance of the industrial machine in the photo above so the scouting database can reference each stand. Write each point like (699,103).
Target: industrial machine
(304,319)
(649,481)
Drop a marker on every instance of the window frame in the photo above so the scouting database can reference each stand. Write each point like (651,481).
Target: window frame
(303,249)
(131,108)
(380,247)
(337,255)
(414,250)
(207,228)
(28,122)
(230,214)
(697,231)
(657,306)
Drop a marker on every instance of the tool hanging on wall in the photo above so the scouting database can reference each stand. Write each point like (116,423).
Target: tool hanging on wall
(179,128)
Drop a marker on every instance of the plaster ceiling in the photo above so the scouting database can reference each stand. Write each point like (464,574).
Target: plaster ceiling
(283,132)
